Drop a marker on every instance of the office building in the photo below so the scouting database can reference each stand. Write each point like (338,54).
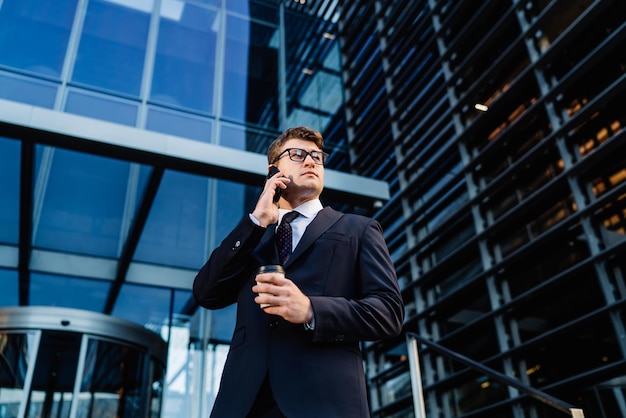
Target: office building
(486,137)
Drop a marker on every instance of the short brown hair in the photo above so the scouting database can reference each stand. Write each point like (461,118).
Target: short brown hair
(300,132)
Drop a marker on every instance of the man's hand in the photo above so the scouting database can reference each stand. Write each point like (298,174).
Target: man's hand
(266,210)
(284,297)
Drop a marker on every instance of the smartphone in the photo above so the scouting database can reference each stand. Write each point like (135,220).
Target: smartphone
(273,170)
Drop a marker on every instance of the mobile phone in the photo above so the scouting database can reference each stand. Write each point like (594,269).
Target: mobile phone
(273,170)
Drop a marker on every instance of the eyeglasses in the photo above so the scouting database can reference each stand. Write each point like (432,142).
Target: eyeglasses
(299,155)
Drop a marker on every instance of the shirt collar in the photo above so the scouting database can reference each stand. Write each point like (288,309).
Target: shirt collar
(308,209)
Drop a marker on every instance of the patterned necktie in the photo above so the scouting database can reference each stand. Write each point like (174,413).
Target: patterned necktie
(283,236)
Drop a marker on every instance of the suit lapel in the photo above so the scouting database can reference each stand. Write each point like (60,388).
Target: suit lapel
(324,220)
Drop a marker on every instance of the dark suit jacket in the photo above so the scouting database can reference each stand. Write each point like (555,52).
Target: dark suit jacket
(342,263)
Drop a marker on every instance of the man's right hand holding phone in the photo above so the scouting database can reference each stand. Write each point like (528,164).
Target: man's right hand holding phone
(266,210)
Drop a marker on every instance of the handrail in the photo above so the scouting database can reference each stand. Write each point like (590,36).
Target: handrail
(416,381)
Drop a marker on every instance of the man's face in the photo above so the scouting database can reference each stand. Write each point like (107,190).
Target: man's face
(307,177)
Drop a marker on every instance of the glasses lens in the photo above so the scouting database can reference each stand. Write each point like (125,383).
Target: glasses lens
(299,155)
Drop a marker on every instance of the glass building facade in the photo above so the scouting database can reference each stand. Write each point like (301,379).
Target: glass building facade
(485,136)
(499,126)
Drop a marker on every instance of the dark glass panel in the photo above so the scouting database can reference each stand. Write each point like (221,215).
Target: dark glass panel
(592,344)
(255,9)
(34,34)
(27,90)
(548,261)
(111,56)
(251,73)
(102,107)
(10,154)
(463,309)
(186,46)
(176,228)
(15,352)
(81,201)
(556,22)
(68,292)
(179,124)
(55,372)
(234,201)
(9,286)
(574,295)
(113,381)
(246,138)
(144,305)
(181,298)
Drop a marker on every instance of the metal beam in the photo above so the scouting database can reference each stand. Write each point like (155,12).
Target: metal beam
(49,127)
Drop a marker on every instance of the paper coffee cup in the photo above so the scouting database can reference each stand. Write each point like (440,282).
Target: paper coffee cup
(272,268)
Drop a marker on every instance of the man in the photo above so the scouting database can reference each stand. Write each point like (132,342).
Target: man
(300,357)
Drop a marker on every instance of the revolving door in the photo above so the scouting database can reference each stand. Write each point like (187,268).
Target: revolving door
(66,363)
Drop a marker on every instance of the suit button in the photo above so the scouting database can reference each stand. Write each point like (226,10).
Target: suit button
(339,337)
(237,245)
(274,324)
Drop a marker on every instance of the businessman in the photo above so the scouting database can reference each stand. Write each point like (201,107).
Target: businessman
(295,348)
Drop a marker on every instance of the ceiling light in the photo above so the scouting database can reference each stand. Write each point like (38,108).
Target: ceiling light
(481,107)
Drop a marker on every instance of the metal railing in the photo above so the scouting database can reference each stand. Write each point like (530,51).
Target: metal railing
(412,340)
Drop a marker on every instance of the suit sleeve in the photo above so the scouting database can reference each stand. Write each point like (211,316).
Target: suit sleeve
(377,310)
(218,282)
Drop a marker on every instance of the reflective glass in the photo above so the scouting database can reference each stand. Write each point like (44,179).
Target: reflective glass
(102,107)
(231,207)
(314,92)
(186,45)
(179,124)
(68,292)
(113,382)
(144,305)
(8,284)
(245,138)
(111,55)
(9,190)
(181,298)
(251,72)
(15,352)
(84,203)
(34,34)
(255,9)
(27,90)
(175,231)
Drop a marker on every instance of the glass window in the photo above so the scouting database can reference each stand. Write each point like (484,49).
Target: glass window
(8,284)
(34,34)
(231,206)
(113,382)
(175,231)
(9,190)
(251,72)
(27,90)
(186,45)
(179,124)
(15,355)
(83,206)
(241,137)
(111,56)
(68,292)
(57,360)
(144,305)
(101,107)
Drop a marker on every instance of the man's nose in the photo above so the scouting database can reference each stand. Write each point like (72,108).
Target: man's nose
(309,160)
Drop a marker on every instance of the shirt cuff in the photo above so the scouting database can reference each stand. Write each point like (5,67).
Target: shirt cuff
(310,326)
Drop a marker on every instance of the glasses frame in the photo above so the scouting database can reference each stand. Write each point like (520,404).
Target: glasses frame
(324,155)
